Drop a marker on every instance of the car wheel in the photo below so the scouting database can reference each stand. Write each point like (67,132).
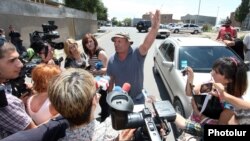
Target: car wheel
(176,31)
(180,110)
(196,32)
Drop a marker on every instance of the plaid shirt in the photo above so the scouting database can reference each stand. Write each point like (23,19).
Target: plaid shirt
(194,128)
(13,118)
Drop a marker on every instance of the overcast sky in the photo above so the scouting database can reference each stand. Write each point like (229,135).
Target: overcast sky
(122,9)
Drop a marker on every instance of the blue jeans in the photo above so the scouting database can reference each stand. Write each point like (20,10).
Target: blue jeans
(139,99)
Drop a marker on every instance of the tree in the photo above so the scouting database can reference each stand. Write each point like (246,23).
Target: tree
(127,22)
(92,6)
(114,21)
(102,12)
(242,11)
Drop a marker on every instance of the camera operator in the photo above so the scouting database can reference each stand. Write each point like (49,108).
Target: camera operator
(44,50)
(13,115)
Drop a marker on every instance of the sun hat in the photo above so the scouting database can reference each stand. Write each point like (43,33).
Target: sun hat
(122,35)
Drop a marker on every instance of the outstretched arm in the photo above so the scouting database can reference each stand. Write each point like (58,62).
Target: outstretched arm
(235,101)
(148,41)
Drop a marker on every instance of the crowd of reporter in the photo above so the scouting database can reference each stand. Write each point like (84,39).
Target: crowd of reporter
(68,97)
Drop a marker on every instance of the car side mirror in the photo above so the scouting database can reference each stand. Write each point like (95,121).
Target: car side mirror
(247,64)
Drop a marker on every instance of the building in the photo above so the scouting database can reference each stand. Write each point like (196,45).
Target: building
(28,16)
(134,21)
(50,2)
(165,18)
(198,19)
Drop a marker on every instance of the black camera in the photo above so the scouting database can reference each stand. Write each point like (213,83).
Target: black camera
(18,84)
(148,126)
(49,33)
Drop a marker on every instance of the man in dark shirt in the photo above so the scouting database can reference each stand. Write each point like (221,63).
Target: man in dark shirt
(15,38)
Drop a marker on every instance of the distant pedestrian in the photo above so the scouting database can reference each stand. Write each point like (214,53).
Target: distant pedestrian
(15,38)
(228,35)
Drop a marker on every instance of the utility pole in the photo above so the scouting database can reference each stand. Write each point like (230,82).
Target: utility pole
(197,17)
(217,20)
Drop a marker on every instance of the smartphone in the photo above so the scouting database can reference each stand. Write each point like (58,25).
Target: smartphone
(206,88)
(184,72)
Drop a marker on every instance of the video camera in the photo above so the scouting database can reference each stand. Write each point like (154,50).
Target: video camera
(49,33)
(148,126)
(39,40)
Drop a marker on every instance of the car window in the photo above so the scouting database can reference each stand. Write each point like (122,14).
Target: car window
(170,53)
(163,48)
(201,59)
(185,25)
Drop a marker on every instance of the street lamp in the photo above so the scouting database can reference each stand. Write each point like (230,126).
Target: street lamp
(197,17)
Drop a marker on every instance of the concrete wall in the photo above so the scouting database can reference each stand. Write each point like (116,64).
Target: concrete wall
(28,17)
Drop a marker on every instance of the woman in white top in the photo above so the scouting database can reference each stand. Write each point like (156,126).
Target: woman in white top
(38,105)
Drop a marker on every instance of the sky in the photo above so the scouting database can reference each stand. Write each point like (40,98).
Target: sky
(122,9)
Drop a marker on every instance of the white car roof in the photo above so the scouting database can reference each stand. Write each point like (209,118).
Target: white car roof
(196,41)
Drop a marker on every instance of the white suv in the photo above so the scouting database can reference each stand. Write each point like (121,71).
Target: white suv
(190,28)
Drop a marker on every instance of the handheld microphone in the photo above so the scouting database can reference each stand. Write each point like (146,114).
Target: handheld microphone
(126,87)
(117,88)
(102,82)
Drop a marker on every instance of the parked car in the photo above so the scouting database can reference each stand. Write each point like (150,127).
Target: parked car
(176,53)
(163,32)
(143,25)
(189,28)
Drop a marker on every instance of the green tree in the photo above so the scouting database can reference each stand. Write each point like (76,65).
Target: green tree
(242,11)
(114,21)
(102,12)
(92,6)
(127,22)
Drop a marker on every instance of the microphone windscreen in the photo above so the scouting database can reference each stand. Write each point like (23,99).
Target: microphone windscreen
(126,87)
(117,88)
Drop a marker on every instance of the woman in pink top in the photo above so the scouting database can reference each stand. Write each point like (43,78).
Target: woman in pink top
(38,105)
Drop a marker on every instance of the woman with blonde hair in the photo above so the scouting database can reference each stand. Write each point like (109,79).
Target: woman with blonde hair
(74,58)
(38,105)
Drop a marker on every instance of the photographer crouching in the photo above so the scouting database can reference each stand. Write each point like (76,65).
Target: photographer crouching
(12,110)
